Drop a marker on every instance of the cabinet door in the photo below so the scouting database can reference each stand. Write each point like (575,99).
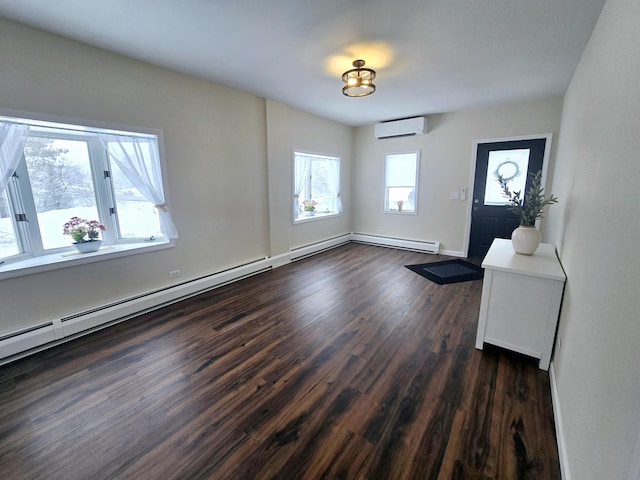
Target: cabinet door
(518,312)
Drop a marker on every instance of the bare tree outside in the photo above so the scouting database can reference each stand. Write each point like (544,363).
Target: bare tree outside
(61,183)
(57,181)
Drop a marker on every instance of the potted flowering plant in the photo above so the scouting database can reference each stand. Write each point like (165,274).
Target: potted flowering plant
(400,203)
(309,206)
(84,232)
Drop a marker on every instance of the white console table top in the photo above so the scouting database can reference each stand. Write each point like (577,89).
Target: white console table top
(543,263)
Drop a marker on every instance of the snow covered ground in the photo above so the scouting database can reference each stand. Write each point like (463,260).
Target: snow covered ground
(137,220)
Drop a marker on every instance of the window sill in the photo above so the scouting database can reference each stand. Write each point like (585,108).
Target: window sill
(71,258)
(403,212)
(318,216)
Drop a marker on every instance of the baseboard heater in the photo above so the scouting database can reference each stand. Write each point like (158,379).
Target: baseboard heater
(313,248)
(27,341)
(413,245)
(24,342)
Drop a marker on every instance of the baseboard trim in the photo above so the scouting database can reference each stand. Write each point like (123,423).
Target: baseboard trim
(453,253)
(298,253)
(399,243)
(25,342)
(280,260)
(565,472)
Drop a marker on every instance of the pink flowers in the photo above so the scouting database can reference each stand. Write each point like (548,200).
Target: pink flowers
(82,230)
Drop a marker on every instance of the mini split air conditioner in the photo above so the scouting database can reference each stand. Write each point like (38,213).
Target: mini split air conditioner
(401,128)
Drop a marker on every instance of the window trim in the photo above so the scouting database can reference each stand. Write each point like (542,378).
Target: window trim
(55,261)
(385,208)
(318,215)
(52,259)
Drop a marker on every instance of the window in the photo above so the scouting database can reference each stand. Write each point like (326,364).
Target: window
(50,172)
(512,166)
(317,186)
(400,182)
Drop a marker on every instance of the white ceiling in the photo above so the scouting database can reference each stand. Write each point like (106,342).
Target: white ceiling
(431,56)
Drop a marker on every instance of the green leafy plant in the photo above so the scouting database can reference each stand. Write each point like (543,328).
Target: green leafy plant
(309,205)
(529,208)
(82,230)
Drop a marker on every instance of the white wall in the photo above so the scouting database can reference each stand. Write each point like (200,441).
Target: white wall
(216,154)
(597,228)
(289,130)
(446,157)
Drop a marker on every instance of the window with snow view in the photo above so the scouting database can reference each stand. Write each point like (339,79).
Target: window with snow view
(316,186)
(51,172)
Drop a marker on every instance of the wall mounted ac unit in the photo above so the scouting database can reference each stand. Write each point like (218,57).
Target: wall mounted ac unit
(401,128)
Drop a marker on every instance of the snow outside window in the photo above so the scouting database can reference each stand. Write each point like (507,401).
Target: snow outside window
(316,186)
(63,171)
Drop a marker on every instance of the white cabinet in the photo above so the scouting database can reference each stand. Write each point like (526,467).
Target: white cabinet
(521,297)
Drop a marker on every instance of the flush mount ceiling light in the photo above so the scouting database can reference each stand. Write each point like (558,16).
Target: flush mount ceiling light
(358,81)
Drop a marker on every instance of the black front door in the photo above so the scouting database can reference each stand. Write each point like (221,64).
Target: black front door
(513,160)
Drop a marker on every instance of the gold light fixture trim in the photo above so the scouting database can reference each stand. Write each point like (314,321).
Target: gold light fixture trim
(359,80)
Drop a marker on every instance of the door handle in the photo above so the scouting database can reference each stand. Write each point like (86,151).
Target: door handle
(475,200)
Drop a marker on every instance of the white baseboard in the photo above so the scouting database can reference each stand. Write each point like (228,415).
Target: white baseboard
(557,418)
(314,248)
(25,342)
(413,245)
(452,253)
(29,339)
(280,260)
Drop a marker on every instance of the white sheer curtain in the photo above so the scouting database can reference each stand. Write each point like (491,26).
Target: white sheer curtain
(334,182)
(13,137)
(139,161)
(302,170)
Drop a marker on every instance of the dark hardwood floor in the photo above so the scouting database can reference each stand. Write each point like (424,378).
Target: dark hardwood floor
(345,365)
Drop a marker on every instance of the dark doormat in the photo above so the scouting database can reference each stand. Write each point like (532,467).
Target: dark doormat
(448,271)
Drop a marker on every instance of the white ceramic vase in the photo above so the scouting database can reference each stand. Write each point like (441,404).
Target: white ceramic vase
(90,246)
(525,240)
